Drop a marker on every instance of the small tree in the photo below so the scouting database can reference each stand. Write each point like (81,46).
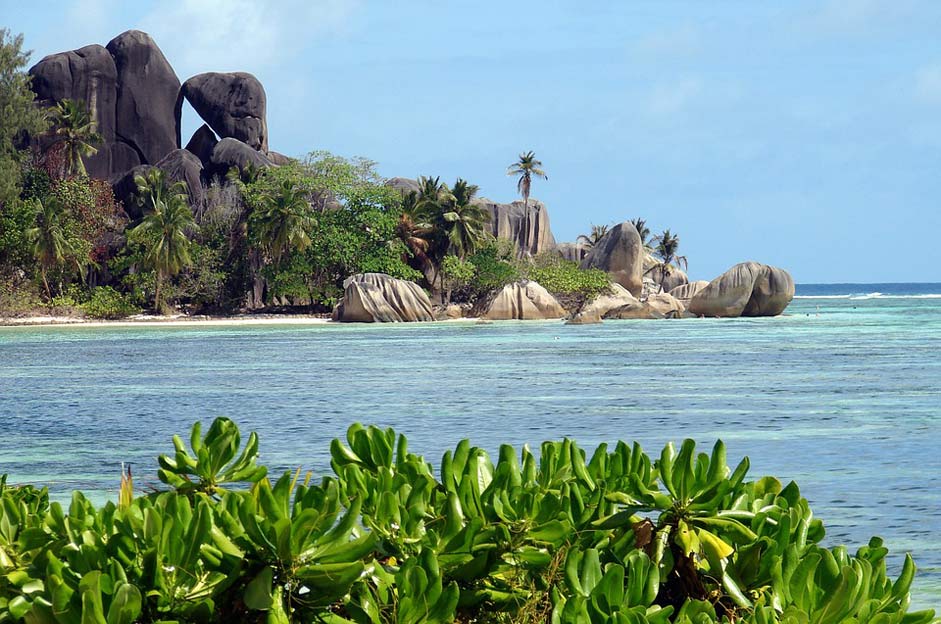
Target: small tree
(667,245)
(75,135)
(50,242)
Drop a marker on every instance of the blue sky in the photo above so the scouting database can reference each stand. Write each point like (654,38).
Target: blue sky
(801,134)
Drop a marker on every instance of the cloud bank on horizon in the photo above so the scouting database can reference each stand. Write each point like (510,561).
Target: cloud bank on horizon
(806,136)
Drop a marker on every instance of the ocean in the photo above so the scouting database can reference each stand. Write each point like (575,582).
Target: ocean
(841,394)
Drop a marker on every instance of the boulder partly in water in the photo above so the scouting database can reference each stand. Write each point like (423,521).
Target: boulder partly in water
(524,301)
(747,289)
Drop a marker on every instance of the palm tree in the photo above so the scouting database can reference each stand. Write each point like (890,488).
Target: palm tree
(641,226)
(50,244)
(411,231)
(590,240)
(163,229)
(526,167)
(464,221)
(282,222)
(667,244)
(76,134)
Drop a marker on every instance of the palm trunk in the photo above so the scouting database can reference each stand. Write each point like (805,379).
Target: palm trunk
(46,283)
(157,306)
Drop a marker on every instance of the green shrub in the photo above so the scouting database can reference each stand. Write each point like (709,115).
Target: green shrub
(494,265)
(613,537)
(107,303)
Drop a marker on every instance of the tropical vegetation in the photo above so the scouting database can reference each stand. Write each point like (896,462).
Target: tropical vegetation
(615,536)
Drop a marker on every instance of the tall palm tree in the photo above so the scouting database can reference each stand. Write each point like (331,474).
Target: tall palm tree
(641,226)
(163,229)
(48,239)
(76,133)
(526,167)
(412,231)
(667,245)
(590,240)
(281,225)
(464,221)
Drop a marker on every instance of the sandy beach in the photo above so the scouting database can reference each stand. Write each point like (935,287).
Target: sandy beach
(145,320)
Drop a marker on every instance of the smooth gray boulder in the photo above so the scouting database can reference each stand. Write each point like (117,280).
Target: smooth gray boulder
(279,159)
(233,104)
(88,75)
(147,89)
(747,289)
(230,153)
(403,185)
(523,300)
(616,297)
(202,143)
(183,166)
(620,253)
(380,298)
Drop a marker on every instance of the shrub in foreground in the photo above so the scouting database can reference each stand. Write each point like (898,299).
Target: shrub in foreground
(563,537)
(107,303)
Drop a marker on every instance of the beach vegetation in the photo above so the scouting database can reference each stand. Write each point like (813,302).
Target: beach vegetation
(74,136)
(666,248)
(104,302)
(560,534)
(594,237)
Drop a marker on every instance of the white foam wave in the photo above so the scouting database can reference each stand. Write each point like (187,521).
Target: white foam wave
(875,295)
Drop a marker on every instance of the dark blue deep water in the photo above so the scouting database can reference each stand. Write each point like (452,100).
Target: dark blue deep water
(842,394)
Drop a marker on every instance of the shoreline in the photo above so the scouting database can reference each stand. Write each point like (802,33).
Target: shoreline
(189,321)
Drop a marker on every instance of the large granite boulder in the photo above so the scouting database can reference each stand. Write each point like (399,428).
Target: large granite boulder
(88,75)
(524,300)
(202,143)
(665,304)
(620,253)
(616,297)
(230,153)
(183,166)
(147,89)
(526,225)
(573,252)
(380,298)
(684,292)
(747,289)
(233,104)
(125,190)
(403,185)
(671,278)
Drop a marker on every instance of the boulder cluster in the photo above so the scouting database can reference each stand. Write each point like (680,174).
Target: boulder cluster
(136,100)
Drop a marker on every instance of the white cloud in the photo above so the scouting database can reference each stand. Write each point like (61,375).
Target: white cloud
(928,84)
(684,40)
(674,97)
(860,16)
(241,35)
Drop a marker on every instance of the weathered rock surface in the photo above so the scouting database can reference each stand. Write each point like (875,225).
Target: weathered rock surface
(183,166)
(404,185)
(616,297)
(665,304)
(747,289)
(584,318)
(202,143)
(528,227)
(524,300)
(279,159)
(230,153)
(671,279)
(621,254)
(87,74)
(233,104)
(147,89)
(685,292)
(125,190)
(380,298)
(573,252)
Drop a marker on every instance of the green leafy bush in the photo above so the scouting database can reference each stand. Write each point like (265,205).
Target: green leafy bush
(495,266)
(107,303)
(560,276)
(614,537)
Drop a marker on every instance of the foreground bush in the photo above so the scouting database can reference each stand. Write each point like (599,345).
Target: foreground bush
(107,303)
(614,538)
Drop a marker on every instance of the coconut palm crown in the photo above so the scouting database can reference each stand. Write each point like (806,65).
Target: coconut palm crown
(76,133)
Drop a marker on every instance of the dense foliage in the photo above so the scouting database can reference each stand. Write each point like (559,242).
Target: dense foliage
(614,537)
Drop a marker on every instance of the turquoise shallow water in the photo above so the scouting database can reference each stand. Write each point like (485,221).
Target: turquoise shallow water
(841,394)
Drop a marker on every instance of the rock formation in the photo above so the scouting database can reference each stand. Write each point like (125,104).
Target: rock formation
(233,104)
(747,289)
(380,298)
(147,89)
(524,300)
(230,153)
(87,75)
(573,252)
(404,185)
(685,292)
(616,297)
(202,143)
(620,253)
(183,166)
(665,304)
(125,190)
(528,227)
